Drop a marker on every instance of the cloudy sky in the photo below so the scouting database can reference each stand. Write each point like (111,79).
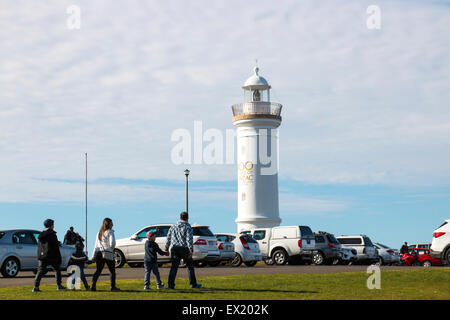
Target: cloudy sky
(364,143)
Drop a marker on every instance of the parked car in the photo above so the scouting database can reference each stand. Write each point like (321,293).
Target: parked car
(387,255)
(420,257)
(132,251)
(327,248)
(246,249)
(420,245)
(440,246)
(18,252)
(226,248)
(284,243)
(365,250)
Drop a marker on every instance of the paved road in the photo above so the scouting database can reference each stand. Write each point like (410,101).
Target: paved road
(26,278)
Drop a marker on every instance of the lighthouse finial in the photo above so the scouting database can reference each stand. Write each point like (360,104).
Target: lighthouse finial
(256,69)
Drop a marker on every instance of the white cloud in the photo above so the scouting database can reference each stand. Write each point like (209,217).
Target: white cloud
(360,106)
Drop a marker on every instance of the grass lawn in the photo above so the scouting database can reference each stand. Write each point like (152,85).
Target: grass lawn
(423,283)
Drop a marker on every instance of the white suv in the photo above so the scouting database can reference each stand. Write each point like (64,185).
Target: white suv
(284,243)
(440,247)
(132,250)
(365,250)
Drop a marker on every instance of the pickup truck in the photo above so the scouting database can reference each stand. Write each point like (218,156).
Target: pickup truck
(284,243)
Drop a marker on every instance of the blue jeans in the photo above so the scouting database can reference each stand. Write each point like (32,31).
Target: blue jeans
(149,267)
(82,277)
(178,253)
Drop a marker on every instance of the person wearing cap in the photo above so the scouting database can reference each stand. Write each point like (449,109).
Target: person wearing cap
(48,255)
(151,260)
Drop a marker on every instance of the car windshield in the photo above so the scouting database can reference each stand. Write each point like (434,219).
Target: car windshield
(368,242)
(332,239)
(248,239)
(222,238)
(202,231)
(2,234)
(306,231)
(442,225)
(349,240)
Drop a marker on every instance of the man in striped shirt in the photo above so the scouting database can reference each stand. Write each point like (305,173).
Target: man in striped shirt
(181,237)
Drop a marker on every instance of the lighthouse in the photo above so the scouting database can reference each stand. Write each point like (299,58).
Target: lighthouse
(257,120)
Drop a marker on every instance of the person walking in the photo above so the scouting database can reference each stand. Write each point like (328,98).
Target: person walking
(181,237)
(151,260)
(79,259)
(104,253)
(48,255)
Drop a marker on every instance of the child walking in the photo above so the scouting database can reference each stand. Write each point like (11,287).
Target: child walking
(79,259)
(151,260)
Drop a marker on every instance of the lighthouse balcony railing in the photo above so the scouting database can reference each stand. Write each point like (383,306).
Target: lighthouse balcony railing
(257,108)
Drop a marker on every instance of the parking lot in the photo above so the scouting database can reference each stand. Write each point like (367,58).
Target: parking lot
(26,278)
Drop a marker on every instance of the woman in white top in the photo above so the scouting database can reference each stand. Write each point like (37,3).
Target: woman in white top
(104,253)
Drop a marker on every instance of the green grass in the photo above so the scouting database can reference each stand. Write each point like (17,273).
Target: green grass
(423,283)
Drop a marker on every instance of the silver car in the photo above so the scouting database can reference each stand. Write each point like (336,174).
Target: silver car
(18,252)
(387,255)
(226,249)
(132,250)
(366,253)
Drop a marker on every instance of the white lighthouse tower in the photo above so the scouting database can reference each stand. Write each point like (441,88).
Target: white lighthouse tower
(257,120)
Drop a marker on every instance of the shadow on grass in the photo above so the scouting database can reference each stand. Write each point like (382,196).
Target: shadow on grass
(211,290)
(52,274)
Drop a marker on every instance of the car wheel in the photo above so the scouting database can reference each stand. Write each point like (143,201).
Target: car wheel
(182,264)
(250,263)
(447,257)
(213,263)
(237,261)
(119,259)
(269,261)
(426,263)
(280,257)
(318,258)
(10,268)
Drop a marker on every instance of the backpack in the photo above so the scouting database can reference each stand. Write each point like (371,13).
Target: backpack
(42,250)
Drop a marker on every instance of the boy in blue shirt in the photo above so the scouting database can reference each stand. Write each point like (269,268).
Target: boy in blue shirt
(151,260)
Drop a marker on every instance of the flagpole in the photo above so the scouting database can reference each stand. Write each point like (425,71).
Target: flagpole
(86,235)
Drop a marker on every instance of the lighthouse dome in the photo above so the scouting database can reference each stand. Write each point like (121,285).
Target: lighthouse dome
(256,82)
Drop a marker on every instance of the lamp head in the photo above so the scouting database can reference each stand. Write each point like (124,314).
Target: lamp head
(186,172)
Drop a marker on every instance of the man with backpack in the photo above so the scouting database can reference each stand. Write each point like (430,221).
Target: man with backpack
(48,255)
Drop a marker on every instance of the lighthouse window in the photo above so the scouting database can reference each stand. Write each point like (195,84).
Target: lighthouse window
(243,196)
(256,95)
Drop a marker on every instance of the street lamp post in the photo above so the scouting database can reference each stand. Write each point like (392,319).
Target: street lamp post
(186,173)
(86,203)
